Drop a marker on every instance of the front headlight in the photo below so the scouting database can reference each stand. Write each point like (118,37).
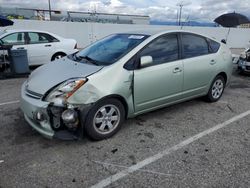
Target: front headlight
(60,94)
(243,55)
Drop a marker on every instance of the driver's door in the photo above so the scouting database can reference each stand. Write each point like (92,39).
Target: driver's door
(162,81)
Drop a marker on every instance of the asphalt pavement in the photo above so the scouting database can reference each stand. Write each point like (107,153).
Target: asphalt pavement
(157,149)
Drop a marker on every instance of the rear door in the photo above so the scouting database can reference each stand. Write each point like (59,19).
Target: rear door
(199,64)
(161,82)
(40,47)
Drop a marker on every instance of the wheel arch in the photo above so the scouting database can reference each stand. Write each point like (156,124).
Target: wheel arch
(119,98)
(58,53)
(224,75)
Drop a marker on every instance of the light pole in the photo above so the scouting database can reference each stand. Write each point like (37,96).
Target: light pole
(49,10)
(181,5)
(179,17)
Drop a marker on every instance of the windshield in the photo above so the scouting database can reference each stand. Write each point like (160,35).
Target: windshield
(110,49)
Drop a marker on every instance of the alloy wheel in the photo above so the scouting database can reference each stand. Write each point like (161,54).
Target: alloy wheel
(106,119)
(58,57)
(217,89)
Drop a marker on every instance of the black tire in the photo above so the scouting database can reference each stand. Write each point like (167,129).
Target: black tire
(92,129)
(211,96)
(241,71)
(58,56)
(2,68)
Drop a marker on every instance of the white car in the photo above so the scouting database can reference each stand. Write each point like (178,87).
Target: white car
(42,47)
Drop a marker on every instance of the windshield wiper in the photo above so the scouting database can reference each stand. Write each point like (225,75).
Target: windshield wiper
(88,59)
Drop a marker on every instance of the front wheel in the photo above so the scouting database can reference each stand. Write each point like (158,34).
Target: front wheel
(216,89)
(105,119)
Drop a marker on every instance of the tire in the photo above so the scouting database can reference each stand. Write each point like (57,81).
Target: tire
(2,68)
(241,71)
(216,89)
(104,119)
(58,56)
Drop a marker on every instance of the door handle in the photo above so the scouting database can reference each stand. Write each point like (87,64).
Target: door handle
(212,62)
(48,45)
(177,69)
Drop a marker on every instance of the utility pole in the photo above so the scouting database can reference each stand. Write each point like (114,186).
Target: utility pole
(49,10)
(177,19)
(181,5)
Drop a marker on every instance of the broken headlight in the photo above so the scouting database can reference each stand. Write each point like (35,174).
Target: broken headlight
(61,93)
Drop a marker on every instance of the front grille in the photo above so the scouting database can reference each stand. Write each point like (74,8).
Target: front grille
(33,94)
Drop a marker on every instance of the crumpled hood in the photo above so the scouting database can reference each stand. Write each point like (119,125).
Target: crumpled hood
(54,73)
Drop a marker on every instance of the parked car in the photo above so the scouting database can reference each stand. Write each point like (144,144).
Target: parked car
(235,58)
(122,76)
(244,61)
(42,47)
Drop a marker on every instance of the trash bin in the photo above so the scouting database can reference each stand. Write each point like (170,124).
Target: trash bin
(19,61)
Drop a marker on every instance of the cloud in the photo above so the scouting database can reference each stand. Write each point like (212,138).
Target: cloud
(165,10)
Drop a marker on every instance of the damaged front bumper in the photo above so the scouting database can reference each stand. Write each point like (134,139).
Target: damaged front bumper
(47,119)
(244,65)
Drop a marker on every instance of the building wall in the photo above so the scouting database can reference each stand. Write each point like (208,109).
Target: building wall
(86,33)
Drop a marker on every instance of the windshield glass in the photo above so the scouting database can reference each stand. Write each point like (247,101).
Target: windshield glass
(110,49)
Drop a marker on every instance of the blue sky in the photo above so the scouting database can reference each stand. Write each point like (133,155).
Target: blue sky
(161,10)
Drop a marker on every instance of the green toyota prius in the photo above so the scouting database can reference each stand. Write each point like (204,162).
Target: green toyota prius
(121,76)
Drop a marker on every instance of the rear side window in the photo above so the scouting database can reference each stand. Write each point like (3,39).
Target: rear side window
(45,36)
(213,46)
(194,45)
(163,49)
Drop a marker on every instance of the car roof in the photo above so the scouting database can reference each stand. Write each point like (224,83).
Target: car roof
(24,30)
(8,31)
(157,31)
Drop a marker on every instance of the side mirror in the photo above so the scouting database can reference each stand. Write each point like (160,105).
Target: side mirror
(146,61)
(224,41)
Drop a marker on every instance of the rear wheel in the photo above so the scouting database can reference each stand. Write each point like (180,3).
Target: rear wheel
(105,119)
(216,89)
(58,56)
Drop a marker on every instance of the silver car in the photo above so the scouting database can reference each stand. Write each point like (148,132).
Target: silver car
(244,62)
(121,76)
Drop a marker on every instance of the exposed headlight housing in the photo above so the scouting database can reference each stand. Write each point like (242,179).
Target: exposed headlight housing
(61,93)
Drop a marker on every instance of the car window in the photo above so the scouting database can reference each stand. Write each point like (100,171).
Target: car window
(36,38)
(111,48)
(13,39)
(163,49)
(194,45)
(46,36)
(213,46)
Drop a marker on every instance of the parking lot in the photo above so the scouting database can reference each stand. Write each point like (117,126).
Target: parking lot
(192,144)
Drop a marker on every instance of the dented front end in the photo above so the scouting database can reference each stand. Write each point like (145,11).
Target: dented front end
(53,119)
(56,103)
(62,121)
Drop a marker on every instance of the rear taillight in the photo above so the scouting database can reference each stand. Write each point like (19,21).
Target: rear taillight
(75,46)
